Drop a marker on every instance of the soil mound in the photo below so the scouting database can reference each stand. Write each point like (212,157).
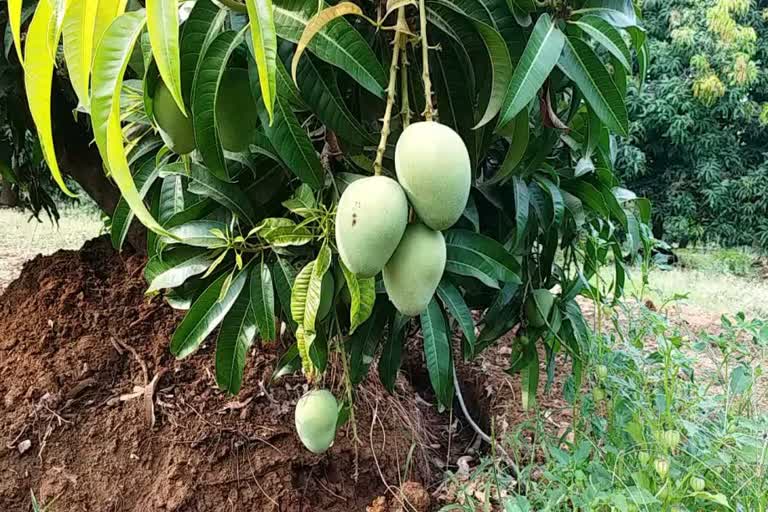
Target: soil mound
(95,412)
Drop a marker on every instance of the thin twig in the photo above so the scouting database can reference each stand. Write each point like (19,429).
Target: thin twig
(425,61)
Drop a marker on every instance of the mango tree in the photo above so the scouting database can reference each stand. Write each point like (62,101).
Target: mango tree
(351,171)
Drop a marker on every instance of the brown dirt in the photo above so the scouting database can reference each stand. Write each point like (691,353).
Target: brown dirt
(78,338)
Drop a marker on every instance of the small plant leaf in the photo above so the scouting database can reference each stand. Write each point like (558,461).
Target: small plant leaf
(264,39)
(437,350)
(263,301)
(363,294)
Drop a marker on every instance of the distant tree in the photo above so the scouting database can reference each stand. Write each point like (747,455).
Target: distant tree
(699,134)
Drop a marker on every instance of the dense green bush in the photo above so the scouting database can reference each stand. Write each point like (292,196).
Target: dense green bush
(698,137)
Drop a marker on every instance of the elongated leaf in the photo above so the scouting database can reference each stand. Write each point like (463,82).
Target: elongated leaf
(522,204)
(206,90)
(288,363)
(558,204)
(363,344)
(299,293)
(529,377)
(123,216)
(619,13)
(475,255)
(292,143)
(202,27)
(264,38)
(163,28)
(238,329)
(174,269)
(38,77)
(79,24)
(539,58)
(198,233)
(172,201)
(109,67)
(284,275)
(458,309)
(14,21)
(337,43)
(437,351)
(283,232)
(205,184)
(580,63)
(520,133)
(106,13)
(206,314)
(610,38)
(317,83)
(391,353)
(263,301)
(363,294)
(501,66)
(314,289)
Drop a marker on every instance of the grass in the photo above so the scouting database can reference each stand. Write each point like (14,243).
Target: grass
(22,239)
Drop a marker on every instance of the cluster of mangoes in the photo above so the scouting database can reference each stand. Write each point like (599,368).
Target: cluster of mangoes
(372,230)
(236,115)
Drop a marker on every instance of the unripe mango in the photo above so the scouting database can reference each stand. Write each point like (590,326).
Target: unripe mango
(538,306)
(432,165)
(370,221)
(412,274)
(316,416)
(236,113)
(175,128)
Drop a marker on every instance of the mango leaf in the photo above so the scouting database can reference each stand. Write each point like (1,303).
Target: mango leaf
(619,13)
(580,63)
(109,67)
(475,255)
(558,204)
(38,78)
(280,232)
(238,329)
(206,314)
(520,133)
(391,353)
(393,5)
(284,275)
(263,301)
(173,268)
(363,294)
(106,12)
(163,28)
(317,83)
(610,38)
(454,303)
(292,143)
(288,363)
(529,377)
(363,344)
(299,293)
(202,26)
(206,90)
(198,233)
(437,351)
(172,200)
(123,215)
(264,39)
(14,22)
(79,24)
(204,183)
(314,289)
(337,43)
(539,58)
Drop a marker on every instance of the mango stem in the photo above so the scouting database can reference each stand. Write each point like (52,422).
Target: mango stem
(425,61)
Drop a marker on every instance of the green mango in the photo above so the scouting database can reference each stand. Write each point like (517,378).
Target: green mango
(175,128)
(316,415)
(433,167)
(412,274)
(370,221)
(236,113)
(538,306)
(326,295)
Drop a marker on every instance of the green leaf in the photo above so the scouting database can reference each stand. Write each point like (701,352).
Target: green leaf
(284,275)
(363,344)
(299,293)
(38,78)
(206,90)
(522,208)
(317,83)
(14,22)
(338,43)
(619,13)
(292,143)
(610,38)
(163,28)
(437,351)
(288,363)
(519,131)
(588,195)
(264,39)
(204,183)
(280,232)
(580,63)
(173,268)
(79,24)
(363,294)
(458,309)
(539,58)
(106,13)
(263,301)
(123,215)
(203,25)
(198,233)
(109,66)
(314,289)
(558,204)
(529,377)
(475,255)
(172,201)
(501,65)
(206,314)
(238,329)
(391,353)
